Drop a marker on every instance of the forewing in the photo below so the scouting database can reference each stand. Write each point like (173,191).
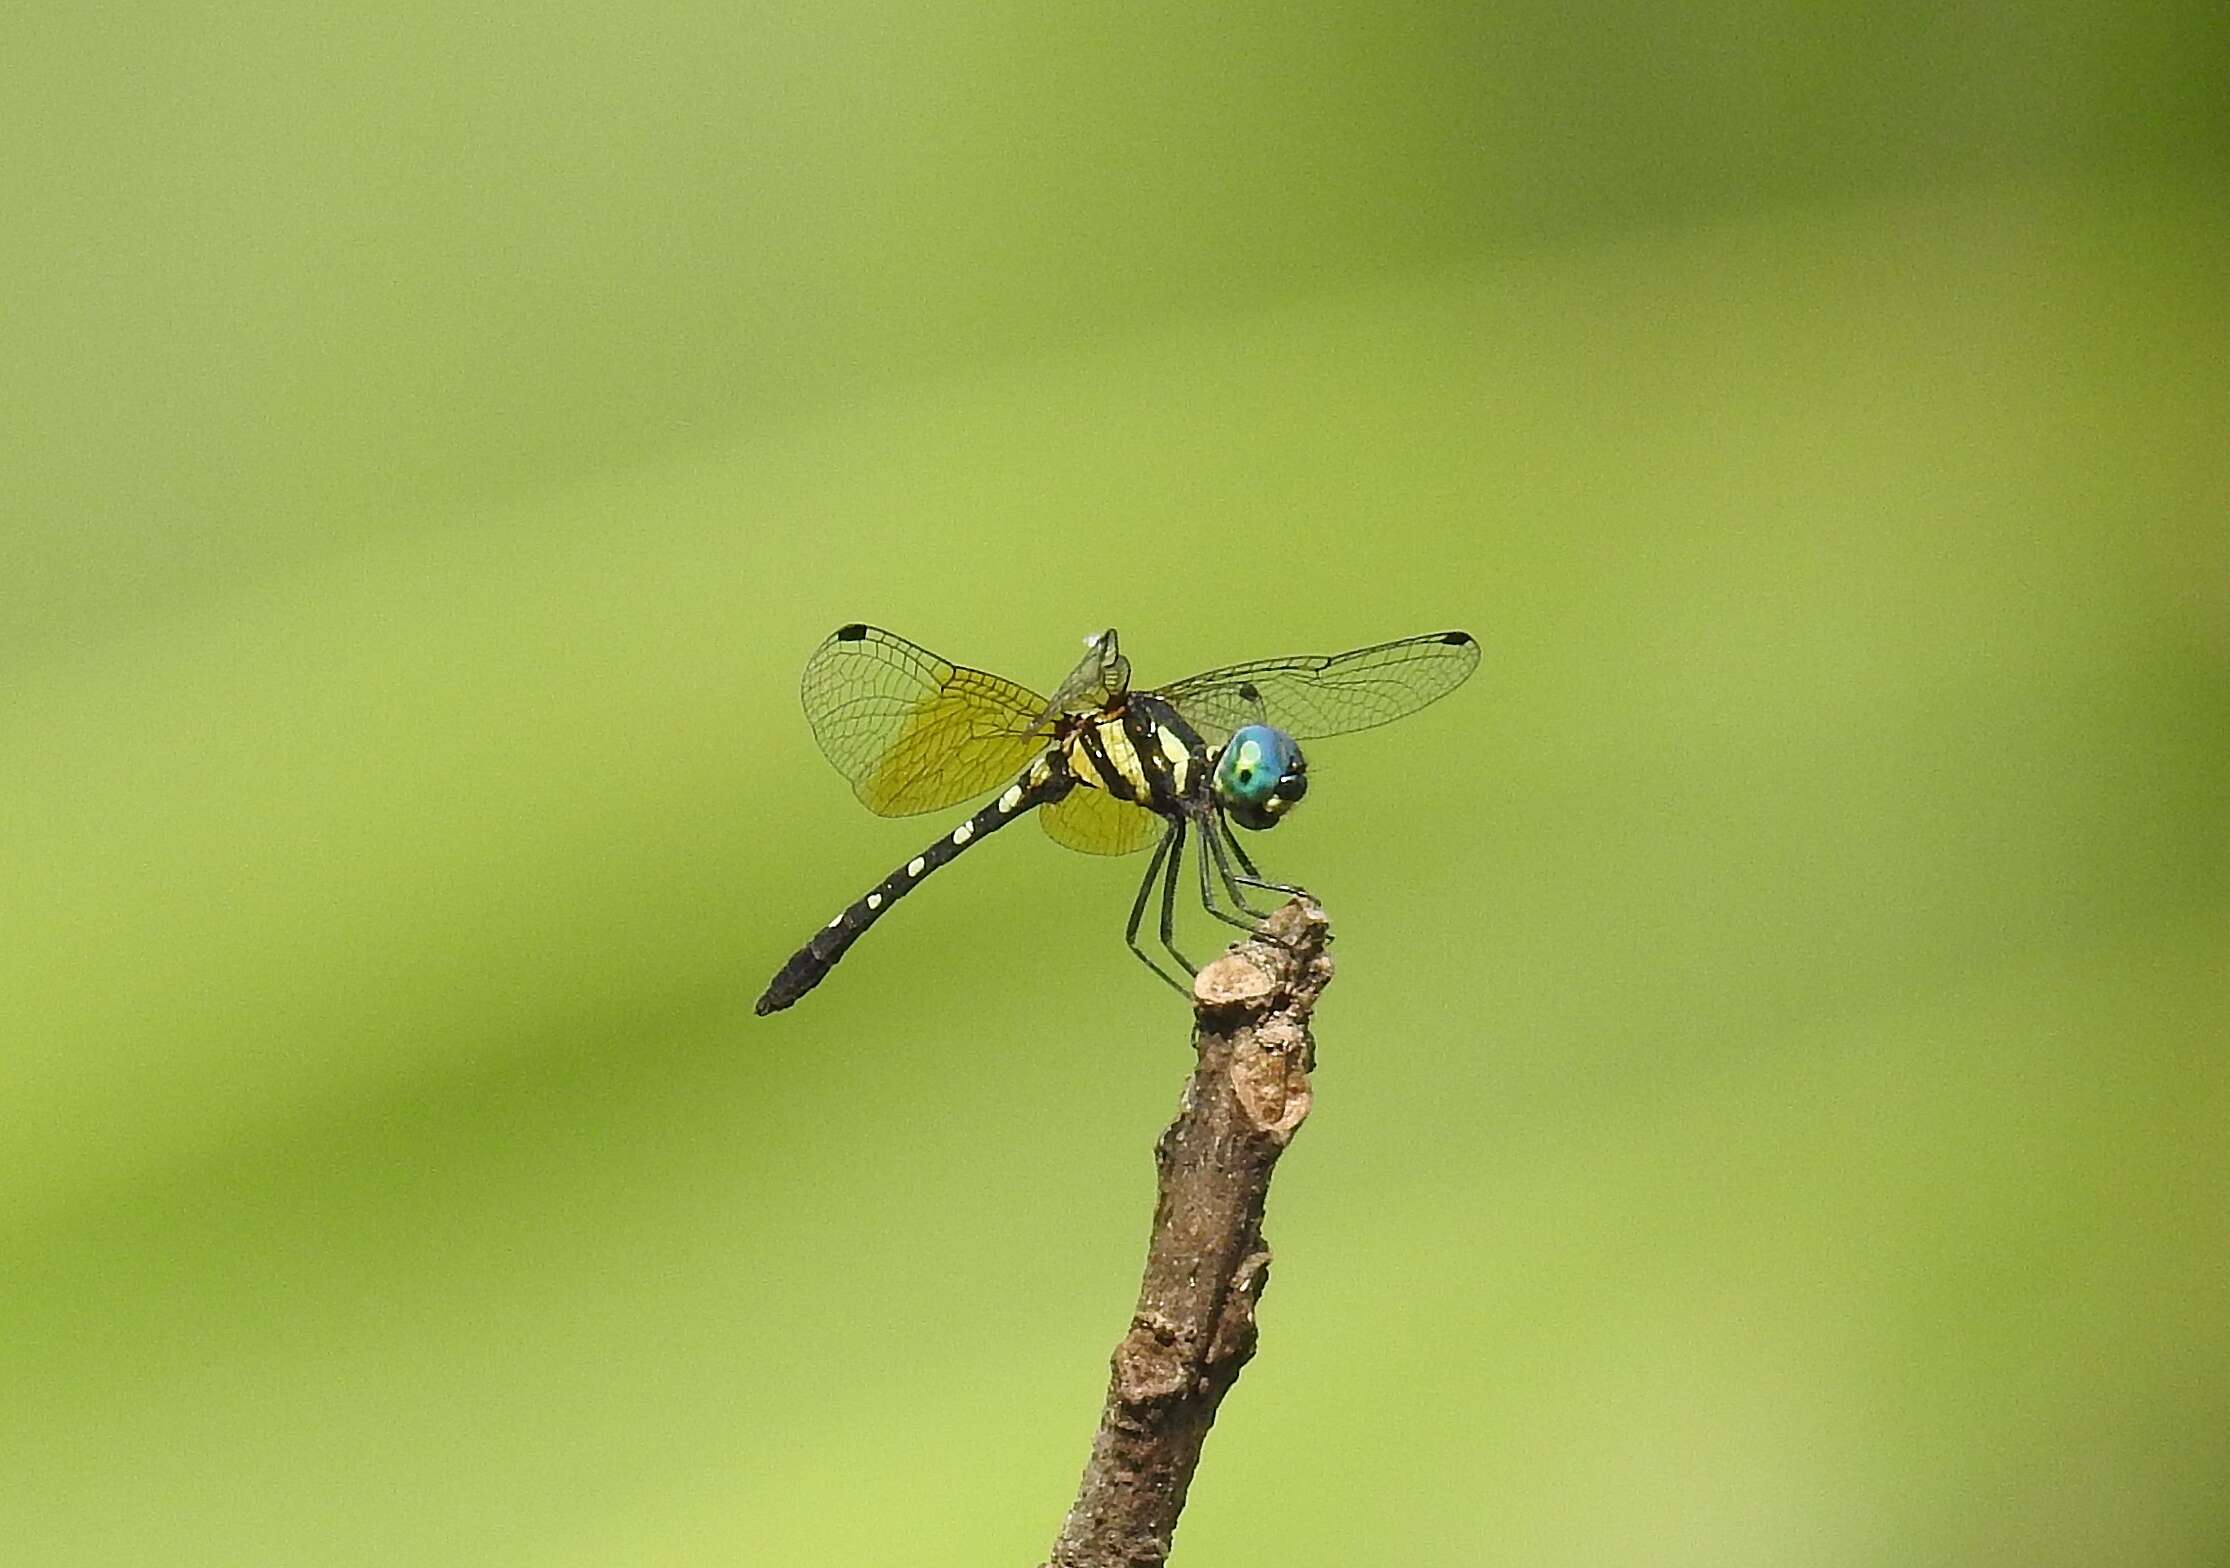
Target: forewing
(910,730)
(1313,695)
(1097,823)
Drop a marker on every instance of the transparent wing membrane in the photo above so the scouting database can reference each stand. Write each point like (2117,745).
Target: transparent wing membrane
(1314,695)
(914,732)
(1102,675)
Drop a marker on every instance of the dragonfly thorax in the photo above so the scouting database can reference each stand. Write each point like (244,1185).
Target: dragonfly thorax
(1137,749)
(1259,776)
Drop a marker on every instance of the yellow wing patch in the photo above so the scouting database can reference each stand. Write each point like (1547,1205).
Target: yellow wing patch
(914,732)
(948,748)
(1098,824)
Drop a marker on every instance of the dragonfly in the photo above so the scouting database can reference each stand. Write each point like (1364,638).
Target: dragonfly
(1108,769)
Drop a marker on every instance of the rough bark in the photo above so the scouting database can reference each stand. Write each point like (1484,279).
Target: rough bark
(1207,1263)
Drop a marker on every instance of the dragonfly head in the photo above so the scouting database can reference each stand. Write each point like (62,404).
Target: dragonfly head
(1260,774)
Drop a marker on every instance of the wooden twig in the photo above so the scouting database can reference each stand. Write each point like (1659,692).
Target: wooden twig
(1207,1263)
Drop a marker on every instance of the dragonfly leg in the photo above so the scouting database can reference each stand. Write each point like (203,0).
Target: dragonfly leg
(1138,913)
(1253,878)
(1223,871)
(1236,884)
(1232,886)
(1176,842)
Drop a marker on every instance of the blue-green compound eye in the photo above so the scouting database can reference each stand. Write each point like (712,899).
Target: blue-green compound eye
(1259,776)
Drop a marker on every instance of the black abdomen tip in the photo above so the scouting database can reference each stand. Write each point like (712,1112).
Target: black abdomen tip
(781,992)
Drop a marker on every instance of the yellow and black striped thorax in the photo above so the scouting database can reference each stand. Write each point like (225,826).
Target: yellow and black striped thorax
(1137,749)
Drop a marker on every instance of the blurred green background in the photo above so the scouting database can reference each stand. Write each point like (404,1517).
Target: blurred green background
(1773,1104)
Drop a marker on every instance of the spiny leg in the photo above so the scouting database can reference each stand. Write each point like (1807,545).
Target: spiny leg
(1231,884)
(1138,914)
(1234,885)
(1176,843)
(1214,851)
(1253,878)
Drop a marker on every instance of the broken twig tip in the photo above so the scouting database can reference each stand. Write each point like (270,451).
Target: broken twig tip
(1286,963)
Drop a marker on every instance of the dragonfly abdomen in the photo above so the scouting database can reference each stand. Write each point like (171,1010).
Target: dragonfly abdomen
(1044,782)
